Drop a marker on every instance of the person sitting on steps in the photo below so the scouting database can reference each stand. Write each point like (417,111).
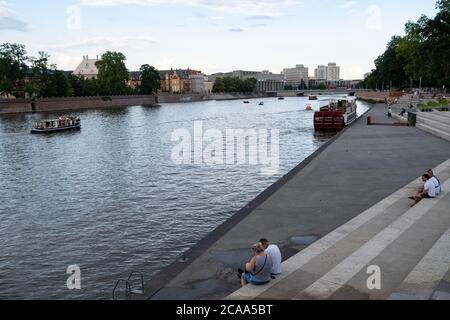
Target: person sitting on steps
(427,192)
(258,270)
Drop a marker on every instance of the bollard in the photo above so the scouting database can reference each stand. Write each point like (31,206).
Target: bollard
(369,120)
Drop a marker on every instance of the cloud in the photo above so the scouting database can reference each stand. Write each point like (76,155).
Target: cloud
(260,17)
(243,7)
(236,30)
(103,44)
(258,25)
(347,4)
(10,20)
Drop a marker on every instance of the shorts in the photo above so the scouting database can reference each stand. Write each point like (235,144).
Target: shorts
(426,196)
(248,277)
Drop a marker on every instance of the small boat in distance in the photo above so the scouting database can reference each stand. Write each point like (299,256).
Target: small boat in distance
(261,103)
(61,124)
(281,98)
(309,107)
(312,97)
(246,102)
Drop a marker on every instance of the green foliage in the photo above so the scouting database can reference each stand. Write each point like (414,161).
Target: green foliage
(13,69)
(443,102)
(234,84)
(112,73)
(150,82)
(423,53)
(288,87)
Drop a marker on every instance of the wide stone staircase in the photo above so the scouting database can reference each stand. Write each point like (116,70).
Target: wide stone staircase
(408,249)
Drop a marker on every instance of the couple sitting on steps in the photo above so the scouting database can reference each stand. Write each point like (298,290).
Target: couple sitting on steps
(264,265)
(430,190)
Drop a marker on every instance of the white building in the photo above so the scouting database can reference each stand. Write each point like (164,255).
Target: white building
(329,73)
(197,83)
(87,68)
(295,76)
(320,73)
(333,72)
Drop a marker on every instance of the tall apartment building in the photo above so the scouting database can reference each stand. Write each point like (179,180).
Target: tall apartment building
(332,72)
(320,73)
(295,76)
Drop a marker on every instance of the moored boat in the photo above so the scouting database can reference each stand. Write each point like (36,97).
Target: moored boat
(335,113)
(61,124)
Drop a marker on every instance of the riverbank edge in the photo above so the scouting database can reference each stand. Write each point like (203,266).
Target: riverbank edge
(20,106)
(164,276)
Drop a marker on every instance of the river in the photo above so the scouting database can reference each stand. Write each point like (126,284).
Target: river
(110,198)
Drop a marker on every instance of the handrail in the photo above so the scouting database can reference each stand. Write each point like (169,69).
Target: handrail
(127,286)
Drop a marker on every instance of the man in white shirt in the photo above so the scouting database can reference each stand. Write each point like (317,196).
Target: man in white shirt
(275,254)
(429,190)
(436,182)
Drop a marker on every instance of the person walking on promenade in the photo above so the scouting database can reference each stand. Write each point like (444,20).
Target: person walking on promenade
(258,270)
(275,254)
(390,112)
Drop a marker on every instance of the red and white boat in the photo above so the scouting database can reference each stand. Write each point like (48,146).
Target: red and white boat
(335,113)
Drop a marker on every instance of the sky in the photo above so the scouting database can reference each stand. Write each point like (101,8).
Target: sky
(212,35)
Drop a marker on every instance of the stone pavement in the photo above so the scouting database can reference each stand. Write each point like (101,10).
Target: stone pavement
(363,166)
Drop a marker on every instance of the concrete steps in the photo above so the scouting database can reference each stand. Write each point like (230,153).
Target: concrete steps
(403,242)
(437,132)
(437,123)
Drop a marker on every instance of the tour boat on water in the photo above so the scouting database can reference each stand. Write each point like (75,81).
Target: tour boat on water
(61,124)
(309,107)
(335,113)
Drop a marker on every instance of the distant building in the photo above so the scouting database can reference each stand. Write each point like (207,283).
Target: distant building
(183,81)
(87,68)
(134,79)
(266,81)
(296,76)
(320,73)
(333,72)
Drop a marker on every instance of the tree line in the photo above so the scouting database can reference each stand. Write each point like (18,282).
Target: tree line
(234,84)
(23,76)
(420,57)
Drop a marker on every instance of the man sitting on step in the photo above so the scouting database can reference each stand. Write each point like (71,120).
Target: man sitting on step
(436,182)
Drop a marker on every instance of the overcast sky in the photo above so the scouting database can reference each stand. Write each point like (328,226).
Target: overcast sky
(212,35)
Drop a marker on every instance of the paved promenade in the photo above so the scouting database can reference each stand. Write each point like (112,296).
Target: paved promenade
(363,166)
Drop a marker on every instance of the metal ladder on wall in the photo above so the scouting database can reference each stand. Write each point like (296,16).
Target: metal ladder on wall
(134,285)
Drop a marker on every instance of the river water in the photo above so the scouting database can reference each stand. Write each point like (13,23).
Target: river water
(110,198)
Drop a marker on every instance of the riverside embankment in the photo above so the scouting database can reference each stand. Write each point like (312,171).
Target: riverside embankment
(10,106)
(360,167)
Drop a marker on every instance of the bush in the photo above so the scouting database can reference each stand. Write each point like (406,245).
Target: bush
(443,102)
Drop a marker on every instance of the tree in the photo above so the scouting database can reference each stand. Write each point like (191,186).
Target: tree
(13,69)
(42,84)
(219,85)
(423,53)
(150,81)
(112,73)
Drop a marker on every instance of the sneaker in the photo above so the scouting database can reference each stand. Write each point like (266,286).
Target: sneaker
(412,198)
